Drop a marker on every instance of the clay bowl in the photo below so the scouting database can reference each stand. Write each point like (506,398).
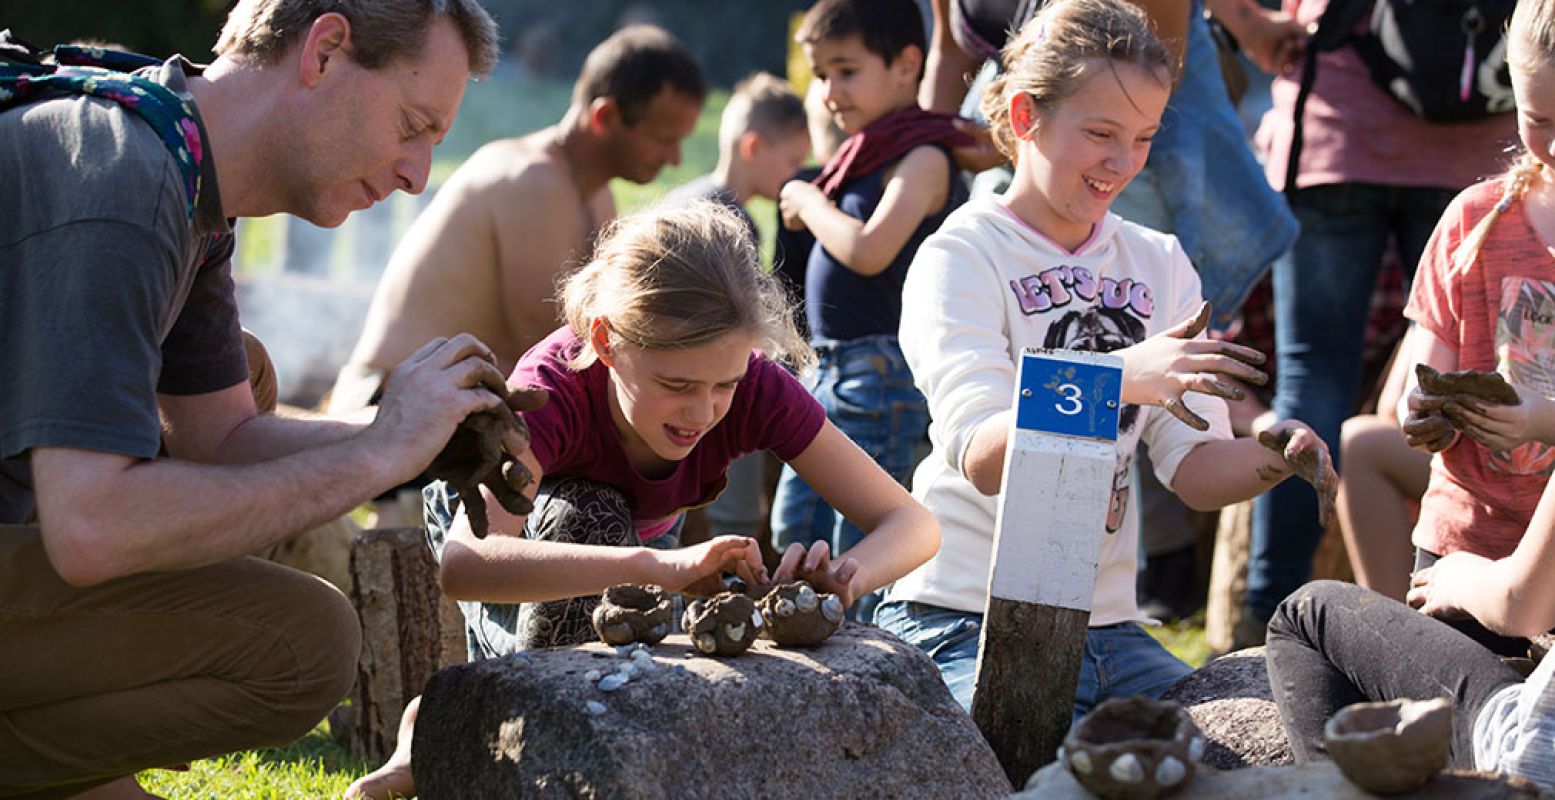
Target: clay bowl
(1393,747)
(797,616)
(630,612)
(723,625)
(1133,748)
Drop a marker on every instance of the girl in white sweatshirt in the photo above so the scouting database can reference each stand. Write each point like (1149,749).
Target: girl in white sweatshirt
(1046,265)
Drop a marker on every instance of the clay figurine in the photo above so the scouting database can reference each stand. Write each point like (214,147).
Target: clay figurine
(1313,466)
(724,625)
(474,457)
(797,616)
(1133,748)
(1390,748)
(630,612)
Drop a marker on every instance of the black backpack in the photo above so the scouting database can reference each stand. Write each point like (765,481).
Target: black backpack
(1445,60)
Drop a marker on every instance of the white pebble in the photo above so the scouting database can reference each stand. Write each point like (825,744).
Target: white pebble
(612,682)
(627,669)
(831,608)
(641,656)
(1170,772)
(595,707)
(1127,769)
(591,676)
(1080,762)
(756,619)
(1196,749)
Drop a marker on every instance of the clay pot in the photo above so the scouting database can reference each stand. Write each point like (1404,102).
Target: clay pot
(723,625)
(797,616)
(1393,747)
(1133,748)
(629,612)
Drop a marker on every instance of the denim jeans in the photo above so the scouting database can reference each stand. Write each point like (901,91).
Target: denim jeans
(868,393)
(1322,298)
(1119,661)
(1332,644)
(566,509)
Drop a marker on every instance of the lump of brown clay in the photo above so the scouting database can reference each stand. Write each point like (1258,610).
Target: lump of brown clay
(630,612)
(723,625)
(1133,748)
(798,616)
(1311,466)
(1487,386)
(474,457)
(1393,747)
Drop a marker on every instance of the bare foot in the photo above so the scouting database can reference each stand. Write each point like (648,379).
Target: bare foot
(125,788)
(393,779)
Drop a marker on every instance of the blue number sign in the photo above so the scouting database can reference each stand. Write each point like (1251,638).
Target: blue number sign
(1069,392)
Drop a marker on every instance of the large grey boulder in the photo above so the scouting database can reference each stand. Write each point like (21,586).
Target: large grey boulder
(1230,700)
(862,715)
(1313,781)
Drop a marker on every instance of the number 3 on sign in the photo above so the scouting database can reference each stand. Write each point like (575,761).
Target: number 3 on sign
(1069,393)
(1071,404)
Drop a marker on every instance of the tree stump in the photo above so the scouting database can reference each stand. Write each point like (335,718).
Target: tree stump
(409,631)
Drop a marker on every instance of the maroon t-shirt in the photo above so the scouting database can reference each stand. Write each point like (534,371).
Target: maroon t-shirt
(573,434)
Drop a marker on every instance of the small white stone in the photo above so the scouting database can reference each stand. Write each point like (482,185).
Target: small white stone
(641,655)
(1127,769)
(806,599)
(595,707)
(756,620)
(1060,757)
(784,608)
(1170,772)
(706,643)
(734,632)
(612,682)
(1196,749)
(1080,762)
(831,608)
(628,669)
(592,675)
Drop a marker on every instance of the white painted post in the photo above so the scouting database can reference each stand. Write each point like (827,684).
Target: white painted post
(1052,517)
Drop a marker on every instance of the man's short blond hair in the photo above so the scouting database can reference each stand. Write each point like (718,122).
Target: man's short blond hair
(764,104)
(382,31)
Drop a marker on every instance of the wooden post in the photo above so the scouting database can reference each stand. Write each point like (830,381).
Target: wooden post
(409,631)
(1052,515)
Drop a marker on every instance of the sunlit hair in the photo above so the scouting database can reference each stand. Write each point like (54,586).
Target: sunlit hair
(1530,50)
(382,31)
(633,66)
(763,104)
(885,27)
(1062,46)
(670,278)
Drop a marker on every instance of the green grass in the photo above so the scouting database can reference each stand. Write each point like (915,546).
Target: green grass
(312,767)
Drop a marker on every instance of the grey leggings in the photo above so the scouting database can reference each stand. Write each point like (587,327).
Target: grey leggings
(566,510)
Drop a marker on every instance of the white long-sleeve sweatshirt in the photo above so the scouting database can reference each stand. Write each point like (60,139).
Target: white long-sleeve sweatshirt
(981,289)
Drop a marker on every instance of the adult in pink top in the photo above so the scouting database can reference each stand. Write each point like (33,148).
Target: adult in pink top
(1370,171)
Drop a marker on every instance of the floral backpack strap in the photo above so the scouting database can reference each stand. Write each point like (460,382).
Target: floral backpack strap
(106,74)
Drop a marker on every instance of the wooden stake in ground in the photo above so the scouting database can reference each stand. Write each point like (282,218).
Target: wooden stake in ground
(1052,515)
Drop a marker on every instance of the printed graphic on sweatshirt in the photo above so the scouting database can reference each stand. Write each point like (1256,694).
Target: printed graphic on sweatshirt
(1059,286)
(1108,317)
(1525,355)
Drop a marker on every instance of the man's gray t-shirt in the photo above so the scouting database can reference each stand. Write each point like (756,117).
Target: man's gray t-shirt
(108,293)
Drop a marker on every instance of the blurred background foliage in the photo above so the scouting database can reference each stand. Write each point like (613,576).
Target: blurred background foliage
(542,37)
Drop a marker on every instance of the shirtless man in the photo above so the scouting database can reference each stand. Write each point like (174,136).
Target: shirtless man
(485,255)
